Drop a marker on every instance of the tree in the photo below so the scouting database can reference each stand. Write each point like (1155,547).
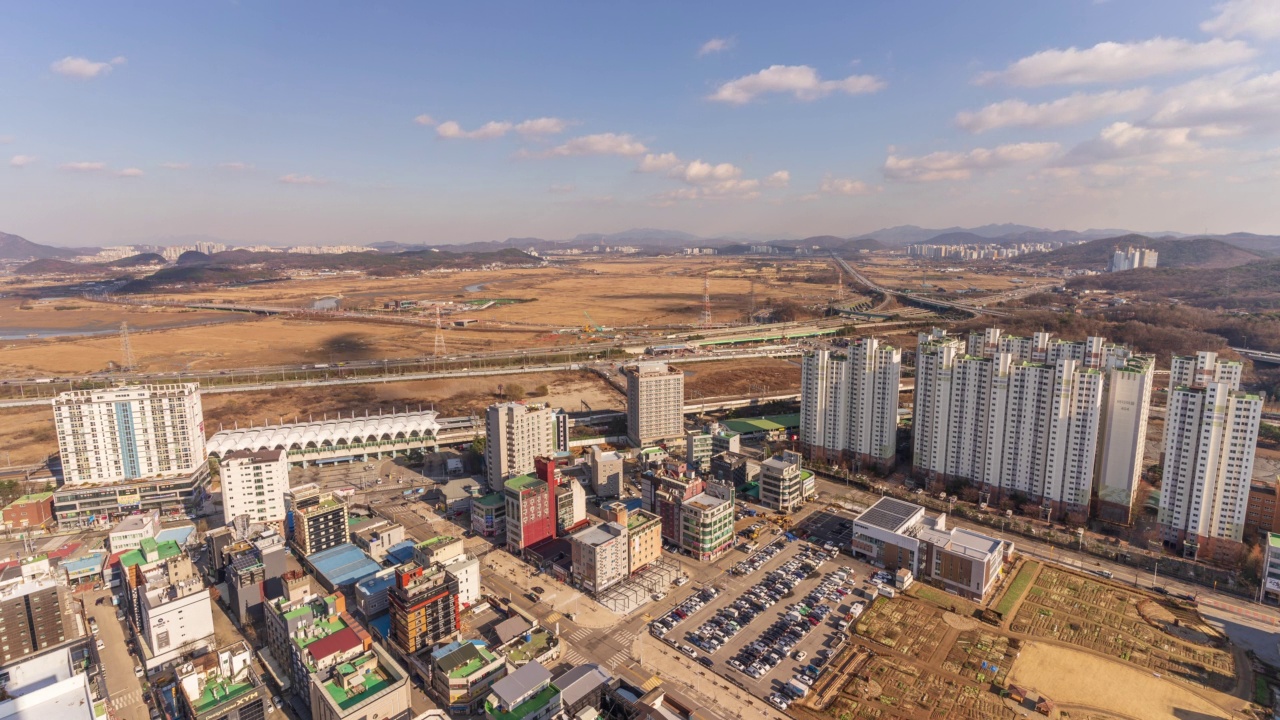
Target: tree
(1251,564)
(541,391)
(513,392)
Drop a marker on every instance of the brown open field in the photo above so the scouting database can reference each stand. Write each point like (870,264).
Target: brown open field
(739,377)
(1074,677)
(27,433)
(21,315)
(653,291)
(904,273)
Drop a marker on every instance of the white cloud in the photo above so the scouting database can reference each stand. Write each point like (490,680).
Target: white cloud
(1122,140)
(1228,103)
(961,165)
(1063,111)
(83,68)
(487,131)
(1111,62)
(6,139)
(562,189)
(715,45)
(130,173)
(237,165)
(542,126)
(658,163)
(1258,18)
(425,119)
(844,186)
(622,144)
(779,179)
(799,81)
(20,161)
(175,165)
(84,166)
(702,173)
(296,179)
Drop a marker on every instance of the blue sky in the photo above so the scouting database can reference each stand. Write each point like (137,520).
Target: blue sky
(328,122)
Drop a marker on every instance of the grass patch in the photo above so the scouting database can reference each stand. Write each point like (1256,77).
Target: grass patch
(944,600)
(1016,588)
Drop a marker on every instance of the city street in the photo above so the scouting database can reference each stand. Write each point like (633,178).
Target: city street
(124,689)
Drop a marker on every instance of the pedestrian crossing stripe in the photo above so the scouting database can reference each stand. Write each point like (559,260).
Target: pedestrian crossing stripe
(554,617)
(651,683)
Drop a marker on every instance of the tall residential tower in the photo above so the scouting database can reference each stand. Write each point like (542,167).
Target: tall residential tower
(849,403)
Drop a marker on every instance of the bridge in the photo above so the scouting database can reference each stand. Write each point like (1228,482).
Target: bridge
(1259,356)
(915,299)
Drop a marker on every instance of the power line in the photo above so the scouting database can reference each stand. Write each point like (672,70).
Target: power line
(126,350)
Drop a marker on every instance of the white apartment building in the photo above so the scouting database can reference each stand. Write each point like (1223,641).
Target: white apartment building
(126,433)
(1132,258)
(516,434)
(1027,415)
(782,485)
(1210,436)
(849,403)
(600,556)
(655,403)
(129,533)
(606,472)
(175,620)
(254,483)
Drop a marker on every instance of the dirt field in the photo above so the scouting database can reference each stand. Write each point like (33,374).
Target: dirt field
(903,273)
(739,377)
(1073,677)
(28,435)
(21,315)
(631,292)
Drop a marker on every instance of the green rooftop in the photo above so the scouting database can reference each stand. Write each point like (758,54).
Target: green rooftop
(150,551)
(437,540)
(763,424)
(490,500)
(538,641)
(218,692)
(526,708)
(523,482)
(32,498)
(1273,539)
(466,669)
(325,504)
(635,520)
(373,684)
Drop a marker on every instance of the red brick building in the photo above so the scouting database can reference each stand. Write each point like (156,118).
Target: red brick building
(1260,514)
(29,511)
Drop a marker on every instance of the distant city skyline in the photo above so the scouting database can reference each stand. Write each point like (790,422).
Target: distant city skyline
(355,124)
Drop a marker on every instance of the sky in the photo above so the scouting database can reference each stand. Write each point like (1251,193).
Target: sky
(324,122)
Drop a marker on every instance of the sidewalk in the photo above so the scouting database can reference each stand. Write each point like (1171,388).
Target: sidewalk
(563,599)
(689,678)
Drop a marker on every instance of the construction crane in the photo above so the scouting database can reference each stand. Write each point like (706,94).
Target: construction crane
(592,325)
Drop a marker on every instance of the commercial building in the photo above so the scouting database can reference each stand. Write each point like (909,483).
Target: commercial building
(51,685)
(341,566)
(1050,420)
(849,404)
(129,533)
(898,535)
(31,618)
(222,685)
(706,526)
(254,483)
(449,553)
(1260,514)
(583,690)
(655,403)
(373,593)
(526,694)
(175,620)
(531,512)
(462,673)
(516,433)
(600,557)
(734,468)
(424,608)
(489,515)
(1210,437)
(253,574)
(606,472)
(698,449)
(571,506)
(663,494)
(1132,258)
(370,685)
(783,485)
(128,433)
(1271,569)
(95,505)
(310,633)
(377,537)
(319,519)
(33,511)
(644,534)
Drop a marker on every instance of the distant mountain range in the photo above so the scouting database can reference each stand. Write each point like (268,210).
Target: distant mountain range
(13,247)
(1193,252)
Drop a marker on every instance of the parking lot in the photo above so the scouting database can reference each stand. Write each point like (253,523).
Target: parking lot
(781,611)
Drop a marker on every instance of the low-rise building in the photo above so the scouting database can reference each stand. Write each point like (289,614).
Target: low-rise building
(370,685)
(644,534)
(600,557)
(489,515)
(462,673)
(129,533)
(1271,569)
(222,685)
(898,535)
(50,685)
(706,526)
(526,694)
(583,689)
(1260,516)
(29,512)
(378,537)
(607,469)
(782,483)
(373,592)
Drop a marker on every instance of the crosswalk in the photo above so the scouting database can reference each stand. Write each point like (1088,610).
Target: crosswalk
(554,617)
(126,699)
(579,635)
(625,637)
(573,657)
(651,683)
(618,658)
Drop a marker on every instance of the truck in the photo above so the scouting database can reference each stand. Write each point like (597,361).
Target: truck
(795,689)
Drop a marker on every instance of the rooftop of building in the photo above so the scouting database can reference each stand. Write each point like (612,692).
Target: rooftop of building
(490,500)
(342,640)
(529,707)
(133,523)
(400,553)
(890,514)
(577,682)
(31,499)
(1273,540)
(537,643)
(370,684)
(325,505)
(515,688)
(255,456)
(463,659)
(703,501)
(597,535)
(510,629)
(343,564)
(640,518)
(437,540)
(150,551)
(218,691)
(524,482)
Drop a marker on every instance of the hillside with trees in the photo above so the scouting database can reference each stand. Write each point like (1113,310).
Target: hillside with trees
(1204,253)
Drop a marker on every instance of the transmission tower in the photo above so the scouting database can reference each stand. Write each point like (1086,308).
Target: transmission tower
(751,304)
(840,285)
(706,300)
(126,350)
(439,348)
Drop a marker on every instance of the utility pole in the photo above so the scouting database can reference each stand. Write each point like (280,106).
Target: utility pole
(439,347)
(126,350)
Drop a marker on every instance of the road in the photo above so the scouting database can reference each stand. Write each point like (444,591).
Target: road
(124,688)
(909,298)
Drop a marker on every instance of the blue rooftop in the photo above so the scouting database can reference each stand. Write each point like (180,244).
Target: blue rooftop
(374,585)
(381,626)
(180,535)
(343,565)
(88,562)
(400,553)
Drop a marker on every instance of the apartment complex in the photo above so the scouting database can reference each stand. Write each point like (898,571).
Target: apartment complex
(254,483)
(655,403)
(898,535)
(516,434)
(1210,436)
(1132,258)
(424,607)
(849,403)
(600,556)
(1050,420)
(128,433)
(320,519)
(1260,512)
(30,611)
